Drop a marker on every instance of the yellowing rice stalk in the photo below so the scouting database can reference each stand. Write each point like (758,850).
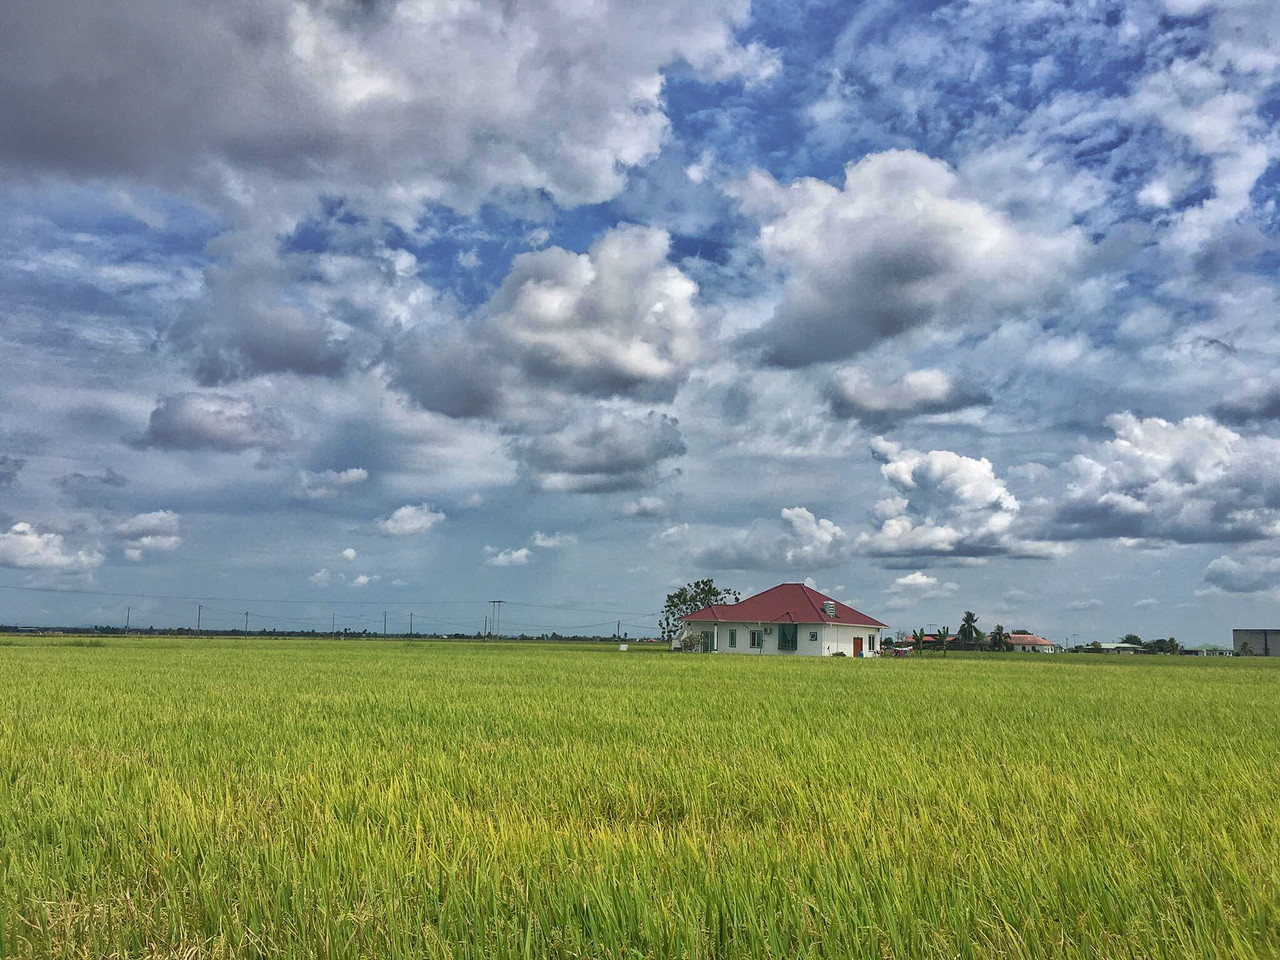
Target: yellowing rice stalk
(223,798)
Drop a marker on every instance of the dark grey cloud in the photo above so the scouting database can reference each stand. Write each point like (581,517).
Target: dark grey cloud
(446,370)
(877,403)
(601,453)
(10,467)
(213,421)
(556,100)
(1259,408)
(1247,575)
(894,248)
(93,489)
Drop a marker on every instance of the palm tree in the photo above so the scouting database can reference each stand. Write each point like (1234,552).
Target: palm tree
(968,632)
(917,638)
(944,636)
(998,639)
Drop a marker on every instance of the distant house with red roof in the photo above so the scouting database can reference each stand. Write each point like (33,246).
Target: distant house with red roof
(789,619)
(1030,643)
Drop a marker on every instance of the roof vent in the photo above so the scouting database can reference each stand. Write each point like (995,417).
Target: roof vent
(829,608)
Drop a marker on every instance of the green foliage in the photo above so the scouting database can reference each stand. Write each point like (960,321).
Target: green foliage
(691,598)
(1132,638)
(344,799)
(998,639)
(967,635)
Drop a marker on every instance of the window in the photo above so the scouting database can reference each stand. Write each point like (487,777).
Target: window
(733,637)
(813,636)
(788,634)
(708,643)
(757,639)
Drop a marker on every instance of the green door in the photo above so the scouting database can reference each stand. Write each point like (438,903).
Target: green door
(788,634)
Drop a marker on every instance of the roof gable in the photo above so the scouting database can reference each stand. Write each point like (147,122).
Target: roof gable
(785,603)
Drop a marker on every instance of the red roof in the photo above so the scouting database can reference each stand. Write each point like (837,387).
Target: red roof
(785,603)
(1030,640)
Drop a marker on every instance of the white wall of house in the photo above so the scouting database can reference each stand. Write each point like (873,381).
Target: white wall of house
(1034,648)
(831,638)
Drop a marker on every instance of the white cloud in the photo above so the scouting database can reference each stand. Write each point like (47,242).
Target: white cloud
(321,578)
(24,548)
(349,553)
(1248,575)
(898,246)
(510,557)
(156,531)
(948,505)
(159,522)
(410,521)
(856,393)
(645,508)
(554,541)
(327,483)
(1093,603)
(801,541)
(1190,481)
(363,580)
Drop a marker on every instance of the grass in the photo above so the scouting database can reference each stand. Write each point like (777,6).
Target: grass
(230,798)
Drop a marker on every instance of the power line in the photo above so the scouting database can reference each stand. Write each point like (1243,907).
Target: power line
(192,598)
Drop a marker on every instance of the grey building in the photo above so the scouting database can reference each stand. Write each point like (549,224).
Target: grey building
(1259,643)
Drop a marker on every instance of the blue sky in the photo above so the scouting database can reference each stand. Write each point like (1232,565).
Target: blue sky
(939,306)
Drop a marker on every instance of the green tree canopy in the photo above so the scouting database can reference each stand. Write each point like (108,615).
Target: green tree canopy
(691,598)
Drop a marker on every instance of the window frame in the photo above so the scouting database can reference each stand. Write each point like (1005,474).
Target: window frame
(733,637)
(756,639)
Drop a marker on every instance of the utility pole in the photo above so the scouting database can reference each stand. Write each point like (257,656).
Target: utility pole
(333,624)
(384,624)
(617,632)
(486,627)
(497,617)
(410,624)
(199,609)
(246,623)
(128,612)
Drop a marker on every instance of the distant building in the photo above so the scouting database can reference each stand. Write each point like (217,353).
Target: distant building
(789,619)
(1114,646)
(1257,643)
(1030,643)
(1209,650)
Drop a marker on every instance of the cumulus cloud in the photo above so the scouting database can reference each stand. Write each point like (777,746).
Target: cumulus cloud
(644,508)
(618,320)
(1249,575)
(602,452)
(854,393)
(557,99)
(326,484)
(157,531)
(898,246)
(24,548)
(921,585)
(801,541)
(1190,481)
(410,520)
(947,505)
(213,421)
(363,580)
(511,557)
(321,578)
(1079,606)
(349,553)
(553,541)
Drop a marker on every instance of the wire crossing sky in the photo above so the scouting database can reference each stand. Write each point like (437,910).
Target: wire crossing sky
(937,306)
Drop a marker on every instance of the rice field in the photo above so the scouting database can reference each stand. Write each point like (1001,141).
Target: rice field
(252,798)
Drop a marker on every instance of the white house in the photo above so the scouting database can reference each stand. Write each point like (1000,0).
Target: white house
(1030,643)
(789,619)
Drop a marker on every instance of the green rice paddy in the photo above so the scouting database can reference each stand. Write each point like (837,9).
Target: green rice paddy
(253,798)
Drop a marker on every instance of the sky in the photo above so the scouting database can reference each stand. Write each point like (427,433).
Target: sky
(320,308)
